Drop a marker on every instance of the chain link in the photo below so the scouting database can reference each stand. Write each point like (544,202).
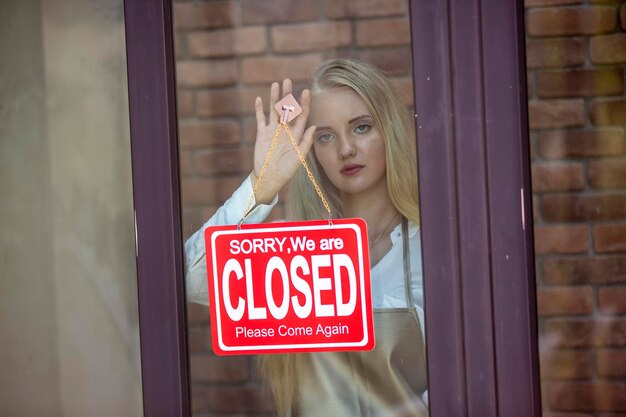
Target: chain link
(318,190)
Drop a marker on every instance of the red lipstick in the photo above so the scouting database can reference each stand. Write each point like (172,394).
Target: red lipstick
(351,169)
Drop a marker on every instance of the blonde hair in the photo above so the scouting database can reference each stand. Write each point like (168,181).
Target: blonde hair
(392,119)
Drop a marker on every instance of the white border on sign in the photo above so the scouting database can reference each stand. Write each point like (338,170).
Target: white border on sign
(225,348)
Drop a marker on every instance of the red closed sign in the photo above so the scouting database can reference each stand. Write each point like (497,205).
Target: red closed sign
(290,287)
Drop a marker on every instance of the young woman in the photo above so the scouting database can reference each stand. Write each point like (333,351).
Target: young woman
(361,148)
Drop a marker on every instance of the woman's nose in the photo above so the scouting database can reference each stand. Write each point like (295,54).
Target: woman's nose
(347,148)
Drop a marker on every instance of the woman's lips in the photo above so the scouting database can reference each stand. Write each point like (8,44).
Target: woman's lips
(351,169)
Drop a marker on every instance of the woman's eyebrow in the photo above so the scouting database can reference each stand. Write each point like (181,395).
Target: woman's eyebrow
(363,116)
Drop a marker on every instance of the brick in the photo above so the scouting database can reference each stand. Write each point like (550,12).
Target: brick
(180,46)
(560,176)
(268,69)
(227,185)
(225,369)
(608,49)
(559,301)
(228,161)
(184,102)
(230,102)
(566,364)
(249,130)
(609,238)
(556,113)
(383,32)
(622,16)
(580,83)
(561,239)
(612,300)
(198,15)
(560,144)
(305,37)
(611,363)
(557,21)
(587,396)
(200,401)
(203,134)
(609,332)
(198,314)
(185,163)
(532,145)
(217,103)
(542,3)
(204,213)
(192,220)
(206,73)
(568,333)
(339,9)
(239,399)
(548,53)
(566,208)
(404,88)
(199,339)
(530,85)
(584,270)
(197,191)
(608,112)
(227,42)
(607,173)
(395,60)
(276,11)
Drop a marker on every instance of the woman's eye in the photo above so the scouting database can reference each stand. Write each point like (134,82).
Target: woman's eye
(362,128)
(325,137)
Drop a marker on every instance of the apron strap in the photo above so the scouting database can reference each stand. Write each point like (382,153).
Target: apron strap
(408,291)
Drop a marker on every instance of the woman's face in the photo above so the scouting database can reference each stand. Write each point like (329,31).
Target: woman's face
(347,143)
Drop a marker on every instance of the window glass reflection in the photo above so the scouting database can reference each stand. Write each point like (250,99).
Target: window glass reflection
(577,117)
(362,154)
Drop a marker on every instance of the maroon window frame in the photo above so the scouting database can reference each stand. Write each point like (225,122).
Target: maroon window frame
(474,175)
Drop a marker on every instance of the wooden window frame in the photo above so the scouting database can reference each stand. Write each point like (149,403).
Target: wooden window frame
(474,176)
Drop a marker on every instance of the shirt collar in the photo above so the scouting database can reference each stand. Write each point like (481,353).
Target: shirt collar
(396,233)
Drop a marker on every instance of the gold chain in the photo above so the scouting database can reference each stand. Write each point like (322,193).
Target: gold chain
(266,162)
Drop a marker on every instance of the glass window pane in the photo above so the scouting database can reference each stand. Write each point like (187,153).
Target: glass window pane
(575,59)
(68,296)
(228,53)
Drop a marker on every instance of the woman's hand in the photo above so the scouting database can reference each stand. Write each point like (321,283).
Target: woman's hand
(284,160)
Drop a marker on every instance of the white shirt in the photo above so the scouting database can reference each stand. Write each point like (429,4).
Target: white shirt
(387,276)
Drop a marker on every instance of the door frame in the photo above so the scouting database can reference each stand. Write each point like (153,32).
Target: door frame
(472,134)
(156,193)
(472,124)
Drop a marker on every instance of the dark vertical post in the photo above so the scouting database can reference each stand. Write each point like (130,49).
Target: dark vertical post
(511,220)
(471,122)
(152,100)
(432,79)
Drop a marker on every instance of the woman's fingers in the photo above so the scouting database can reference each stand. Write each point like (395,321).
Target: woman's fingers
(287,87)
(260,115)
(274,93)
(305,101)
(307,140)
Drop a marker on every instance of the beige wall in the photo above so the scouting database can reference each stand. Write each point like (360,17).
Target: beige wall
(68,299)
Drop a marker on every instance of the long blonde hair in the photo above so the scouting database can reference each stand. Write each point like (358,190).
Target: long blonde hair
(392,119)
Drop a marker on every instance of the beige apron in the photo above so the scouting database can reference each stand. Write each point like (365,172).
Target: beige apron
(388,381)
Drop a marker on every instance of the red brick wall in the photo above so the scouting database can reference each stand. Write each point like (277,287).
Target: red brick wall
(576,54)
(229,50)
